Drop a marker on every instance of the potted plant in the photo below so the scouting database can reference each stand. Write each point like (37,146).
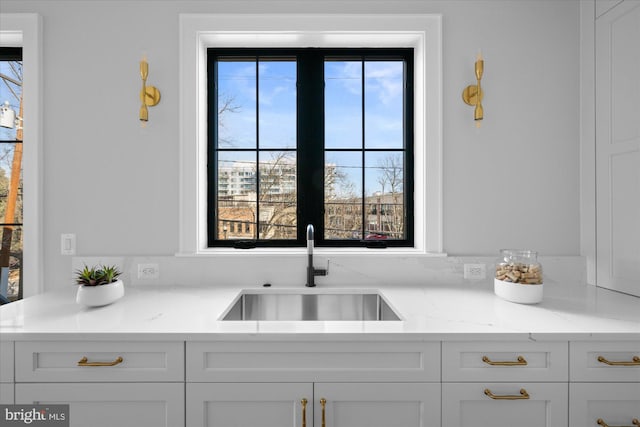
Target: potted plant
(99,285)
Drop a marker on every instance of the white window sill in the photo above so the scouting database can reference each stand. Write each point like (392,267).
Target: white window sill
(322,252)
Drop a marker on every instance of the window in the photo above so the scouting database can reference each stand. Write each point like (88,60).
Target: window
(341,117)
(11,136)
(420,32)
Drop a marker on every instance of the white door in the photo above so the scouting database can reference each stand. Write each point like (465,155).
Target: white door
(377,404)
(249,404)
(614,403)
(535,405)
(618,147)
(112,404)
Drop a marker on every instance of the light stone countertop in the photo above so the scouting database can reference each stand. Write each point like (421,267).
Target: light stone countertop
(467,311)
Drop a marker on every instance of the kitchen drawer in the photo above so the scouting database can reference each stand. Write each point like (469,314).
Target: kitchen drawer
(608,361)
(504,361)
(227,361)
(111,361)
(614,403)
(519,404)
(6,393)
(109,405)
(6,361)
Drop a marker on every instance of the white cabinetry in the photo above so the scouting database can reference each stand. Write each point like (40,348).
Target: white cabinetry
(605,384)
(395,384)
(300,404)
(504,384)
(519,404)
(105,383)
(377,404)
(386,383)
(6,372)
(248,404)
(111,404)
(612,404)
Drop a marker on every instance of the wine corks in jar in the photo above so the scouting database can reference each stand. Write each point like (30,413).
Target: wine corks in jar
(517,266)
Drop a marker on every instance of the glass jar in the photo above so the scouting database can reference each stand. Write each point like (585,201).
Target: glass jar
(519,266)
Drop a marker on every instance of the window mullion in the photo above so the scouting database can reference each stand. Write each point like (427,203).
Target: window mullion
(364,226)
(311,142)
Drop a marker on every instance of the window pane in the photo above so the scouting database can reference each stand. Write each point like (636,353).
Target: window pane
(10,93)
(236,103)
(343,195)
(11,174)
(343,104)
(384,202)
(277,195)
(277,104)
(384,93)
(236,204)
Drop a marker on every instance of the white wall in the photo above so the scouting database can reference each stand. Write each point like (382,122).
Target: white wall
(513,183)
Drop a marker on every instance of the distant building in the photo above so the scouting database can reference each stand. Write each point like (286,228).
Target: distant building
(238,200)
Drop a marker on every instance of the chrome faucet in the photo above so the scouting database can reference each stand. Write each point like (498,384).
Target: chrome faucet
(312,272)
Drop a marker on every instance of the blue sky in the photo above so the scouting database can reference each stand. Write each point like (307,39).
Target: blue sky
(383,98)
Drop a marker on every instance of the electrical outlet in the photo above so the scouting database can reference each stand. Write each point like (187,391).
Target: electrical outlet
(148,271)
(68,244)
(475,271)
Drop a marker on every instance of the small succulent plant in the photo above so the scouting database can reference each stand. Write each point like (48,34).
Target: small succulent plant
(98,275)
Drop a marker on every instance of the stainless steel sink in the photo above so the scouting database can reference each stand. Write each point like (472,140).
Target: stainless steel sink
(311,306)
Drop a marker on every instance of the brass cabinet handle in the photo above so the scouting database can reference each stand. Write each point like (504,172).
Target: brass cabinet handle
(601,422)
(304,412)
(323,403)
(635,361)
(519,362)
(523,395)
(85,362)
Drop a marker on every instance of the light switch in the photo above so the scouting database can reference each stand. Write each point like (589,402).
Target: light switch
(68,244)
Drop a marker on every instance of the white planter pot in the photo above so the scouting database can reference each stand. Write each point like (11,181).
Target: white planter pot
(517,292)
(96,296)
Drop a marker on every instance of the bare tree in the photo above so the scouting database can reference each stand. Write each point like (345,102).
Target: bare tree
(226,105)
(391,180)
(277,196)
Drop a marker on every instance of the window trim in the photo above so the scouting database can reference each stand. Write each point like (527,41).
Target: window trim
(25,30)
(421,32)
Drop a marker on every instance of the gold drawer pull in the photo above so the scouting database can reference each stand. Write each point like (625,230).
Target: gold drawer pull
(85,362)
(519,362)
(634,421)
(304,412)
(635,361)
(523,395)
(323,402)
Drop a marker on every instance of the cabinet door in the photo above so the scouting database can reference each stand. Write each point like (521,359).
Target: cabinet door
(615,403)
(6,393)
(377,404)
(108,405)
(248,404)
(6,361)
(467,405)
(618,148)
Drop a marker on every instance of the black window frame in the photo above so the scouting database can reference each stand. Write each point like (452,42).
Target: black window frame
(7,229)
(310,143)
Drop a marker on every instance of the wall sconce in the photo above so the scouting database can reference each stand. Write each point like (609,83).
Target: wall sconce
(149,95)
(473,94)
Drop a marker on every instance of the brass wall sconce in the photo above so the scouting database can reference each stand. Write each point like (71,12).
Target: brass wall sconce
(473,94)
(149,95)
